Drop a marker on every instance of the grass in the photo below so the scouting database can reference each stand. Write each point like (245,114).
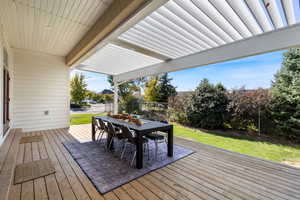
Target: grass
(265,150)
(77,119)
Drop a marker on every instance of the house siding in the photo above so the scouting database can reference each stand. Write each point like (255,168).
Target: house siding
(41,84)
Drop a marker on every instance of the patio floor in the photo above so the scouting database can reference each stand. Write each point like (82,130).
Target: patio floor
(211,173)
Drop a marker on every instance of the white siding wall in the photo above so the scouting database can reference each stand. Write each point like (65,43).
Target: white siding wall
(41,84)
(4,44)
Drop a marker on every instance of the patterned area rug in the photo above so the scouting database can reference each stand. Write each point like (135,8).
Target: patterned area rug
(107,171)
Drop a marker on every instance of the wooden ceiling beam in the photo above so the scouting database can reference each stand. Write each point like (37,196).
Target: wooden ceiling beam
(117,13)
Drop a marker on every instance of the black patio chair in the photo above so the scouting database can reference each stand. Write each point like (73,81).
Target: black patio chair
(113,132)
(99,129)
(158,139)
(131,139)
(100,125)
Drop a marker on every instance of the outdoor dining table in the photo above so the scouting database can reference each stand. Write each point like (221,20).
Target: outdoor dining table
(141,130)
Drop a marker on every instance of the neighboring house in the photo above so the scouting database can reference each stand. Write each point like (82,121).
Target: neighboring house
(107,91)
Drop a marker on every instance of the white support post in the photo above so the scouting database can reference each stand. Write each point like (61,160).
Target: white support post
(116,98)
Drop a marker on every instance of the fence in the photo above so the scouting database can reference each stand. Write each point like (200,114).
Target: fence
(99,108)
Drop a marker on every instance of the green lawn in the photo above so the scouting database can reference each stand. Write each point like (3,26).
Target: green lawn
(77,119)
(265,150)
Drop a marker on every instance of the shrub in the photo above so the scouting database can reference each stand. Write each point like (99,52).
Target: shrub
(177,109)
(207,107)
(244,107)
(130,105)
(155,115)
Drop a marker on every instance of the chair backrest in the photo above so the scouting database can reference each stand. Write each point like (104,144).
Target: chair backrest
(101,124)
(127,133)
(97,124)
(111,129)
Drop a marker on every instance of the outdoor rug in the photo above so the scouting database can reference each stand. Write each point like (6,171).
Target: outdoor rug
(33,170)
(107,171)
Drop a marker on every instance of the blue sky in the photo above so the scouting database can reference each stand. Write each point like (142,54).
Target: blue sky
(252,72)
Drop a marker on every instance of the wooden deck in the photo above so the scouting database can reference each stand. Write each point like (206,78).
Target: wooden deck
(211,173)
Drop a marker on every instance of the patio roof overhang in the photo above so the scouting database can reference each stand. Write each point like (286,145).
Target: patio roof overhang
(166,36)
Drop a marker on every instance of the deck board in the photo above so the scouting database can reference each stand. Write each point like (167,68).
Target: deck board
(210,173)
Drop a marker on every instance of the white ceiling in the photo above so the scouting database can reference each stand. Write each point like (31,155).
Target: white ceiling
(113,60)
(49,26)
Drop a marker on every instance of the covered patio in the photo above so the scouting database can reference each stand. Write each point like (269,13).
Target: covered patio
(210,173)
(42,41)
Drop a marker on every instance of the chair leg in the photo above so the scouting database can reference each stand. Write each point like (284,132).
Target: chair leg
(123,152)
(97,139)
(147,144)
(100,136)
(110,143)
(134,155)
(156,149)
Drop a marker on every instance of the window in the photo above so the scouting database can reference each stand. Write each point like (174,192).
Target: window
(6,99)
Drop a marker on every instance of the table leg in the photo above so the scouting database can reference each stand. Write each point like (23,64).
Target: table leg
(139,151)
(93,129)
(170,142)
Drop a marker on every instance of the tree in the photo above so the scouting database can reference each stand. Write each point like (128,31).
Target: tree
(125,89)
(159,89)
(128,102)
(99,98)
(78,88)
(89,94)
(165,89)
(207,106)
(285,92)
(108,98)
(151,90)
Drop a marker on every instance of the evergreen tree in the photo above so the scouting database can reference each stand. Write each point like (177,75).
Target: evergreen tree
(159,89)
(207,107)
(285,91)
(165,89)
(78,88)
